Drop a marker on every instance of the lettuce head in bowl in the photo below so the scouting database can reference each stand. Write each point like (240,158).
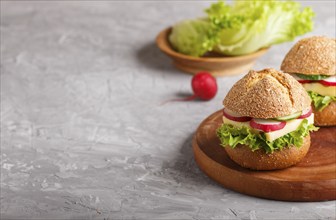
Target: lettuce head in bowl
(241,28)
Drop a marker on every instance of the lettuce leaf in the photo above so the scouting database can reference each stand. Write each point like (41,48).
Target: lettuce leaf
(230,135)
(193,37)
(320,101)
(312,77)
(248,26)
(241,28)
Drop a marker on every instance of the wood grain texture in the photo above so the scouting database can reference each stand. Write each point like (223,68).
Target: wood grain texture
(217,64)
(313,179)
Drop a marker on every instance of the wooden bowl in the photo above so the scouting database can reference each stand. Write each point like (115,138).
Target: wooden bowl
(216,64)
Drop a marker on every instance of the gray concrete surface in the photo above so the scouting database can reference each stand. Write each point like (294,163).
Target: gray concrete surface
(83,134)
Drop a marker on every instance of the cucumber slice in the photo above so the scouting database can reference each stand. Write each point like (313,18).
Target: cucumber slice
(289,117)
(312,77)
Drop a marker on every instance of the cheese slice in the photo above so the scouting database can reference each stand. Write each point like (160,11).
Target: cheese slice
(320,89)
(291,125)
(236,123)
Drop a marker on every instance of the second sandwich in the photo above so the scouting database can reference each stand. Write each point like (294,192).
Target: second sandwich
(312,61)
(267,118)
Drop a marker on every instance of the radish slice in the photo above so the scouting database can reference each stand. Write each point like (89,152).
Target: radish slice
(303,81)
(306,113)
(267,125)
(234,116)
(330,81)
(300,80)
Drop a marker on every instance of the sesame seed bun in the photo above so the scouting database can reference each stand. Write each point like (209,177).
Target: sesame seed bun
(312,56)
(267,94)
(260,160)
(326,117)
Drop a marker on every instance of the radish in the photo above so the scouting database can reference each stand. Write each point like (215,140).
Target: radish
(303,81)
(234,116)
(204,86)
(306,113)
(300,80)
(330,81)
(267,125)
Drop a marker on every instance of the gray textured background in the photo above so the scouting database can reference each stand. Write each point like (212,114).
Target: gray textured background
(83,134)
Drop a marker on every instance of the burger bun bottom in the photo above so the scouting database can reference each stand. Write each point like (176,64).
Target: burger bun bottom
(326,117)
(260,160)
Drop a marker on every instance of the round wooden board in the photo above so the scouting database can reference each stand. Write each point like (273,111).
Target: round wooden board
(313,179)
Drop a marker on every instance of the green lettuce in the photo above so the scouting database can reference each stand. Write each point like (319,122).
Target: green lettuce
(193,37)
(320,101)
(312,77)
(230,135)
(248,26)
(241,28)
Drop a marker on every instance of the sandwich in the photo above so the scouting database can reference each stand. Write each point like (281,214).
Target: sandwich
(267,118)
(312,61)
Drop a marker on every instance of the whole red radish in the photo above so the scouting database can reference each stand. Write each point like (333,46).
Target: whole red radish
(204,85)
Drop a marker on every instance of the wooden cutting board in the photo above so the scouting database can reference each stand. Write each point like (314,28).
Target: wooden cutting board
(313,179)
